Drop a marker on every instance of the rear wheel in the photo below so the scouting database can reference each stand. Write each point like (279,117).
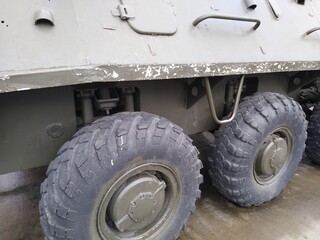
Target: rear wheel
(313,141)
(128,176)
(255,156)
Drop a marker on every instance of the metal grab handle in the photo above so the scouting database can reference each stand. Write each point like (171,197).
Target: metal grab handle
(312,30)
(211,103)
(233,18)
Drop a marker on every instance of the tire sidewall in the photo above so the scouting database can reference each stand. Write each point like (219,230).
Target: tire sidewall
(238,143)
(268,191)
(162,153)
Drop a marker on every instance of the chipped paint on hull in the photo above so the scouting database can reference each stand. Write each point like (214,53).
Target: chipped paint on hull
(4,77)
(114,73)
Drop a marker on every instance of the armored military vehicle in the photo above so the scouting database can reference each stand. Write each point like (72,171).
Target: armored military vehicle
(119,85)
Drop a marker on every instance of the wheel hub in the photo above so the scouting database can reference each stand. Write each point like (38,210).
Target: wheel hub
(137,203)
(271,158)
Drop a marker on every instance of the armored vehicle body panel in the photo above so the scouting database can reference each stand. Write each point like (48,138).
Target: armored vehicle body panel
(81,42)
(114,87)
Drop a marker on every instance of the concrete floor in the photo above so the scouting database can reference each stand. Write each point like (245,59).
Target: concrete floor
(294,215)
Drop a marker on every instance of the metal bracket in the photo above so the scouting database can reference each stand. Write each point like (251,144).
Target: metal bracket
(211,103)
(125,12)
(106,103)
(301,79)
(196,90)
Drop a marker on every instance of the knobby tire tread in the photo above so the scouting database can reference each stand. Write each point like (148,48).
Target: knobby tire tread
(73,171)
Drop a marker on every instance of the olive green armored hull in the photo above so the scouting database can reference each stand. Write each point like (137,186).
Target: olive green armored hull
(57,43)
(117,85)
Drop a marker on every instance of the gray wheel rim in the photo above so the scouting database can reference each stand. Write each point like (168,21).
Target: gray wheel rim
(274,156)
(140,203)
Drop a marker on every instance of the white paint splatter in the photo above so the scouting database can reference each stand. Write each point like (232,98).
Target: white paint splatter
(23,89)
(5,77)
(166,69)
(148,72)
(157,70)
(115,75)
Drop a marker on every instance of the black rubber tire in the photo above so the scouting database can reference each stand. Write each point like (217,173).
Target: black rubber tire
(76,177)
(237,143)
(309,97)
(313,141)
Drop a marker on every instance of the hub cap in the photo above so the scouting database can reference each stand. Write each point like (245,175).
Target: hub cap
(140,203)
(136,204)
(273,156)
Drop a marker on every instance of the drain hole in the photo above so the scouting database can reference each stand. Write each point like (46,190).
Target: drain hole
(43,21)
(250,4)
(44,17)
(253,6)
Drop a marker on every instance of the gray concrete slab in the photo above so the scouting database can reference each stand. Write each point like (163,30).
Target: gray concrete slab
(294,215)
(19,197)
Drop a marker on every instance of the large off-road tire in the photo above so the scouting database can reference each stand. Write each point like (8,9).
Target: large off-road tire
(254,157)
(128,176)
(309,97)
(313,141)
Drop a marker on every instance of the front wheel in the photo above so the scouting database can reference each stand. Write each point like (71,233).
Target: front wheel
(129,176)
(254,157)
